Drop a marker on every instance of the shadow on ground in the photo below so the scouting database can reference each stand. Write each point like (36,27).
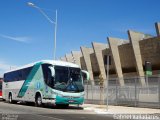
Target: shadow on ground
(49,106)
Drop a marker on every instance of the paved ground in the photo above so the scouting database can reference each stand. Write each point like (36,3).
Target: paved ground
(30,112)
(85,112)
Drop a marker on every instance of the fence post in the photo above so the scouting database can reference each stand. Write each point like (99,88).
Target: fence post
(116,92)
(135,104)
(92,91)
(101,85)
(108,63)
(159,89)
(87,90)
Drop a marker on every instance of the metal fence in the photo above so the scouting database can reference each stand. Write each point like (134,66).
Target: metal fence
(131,94)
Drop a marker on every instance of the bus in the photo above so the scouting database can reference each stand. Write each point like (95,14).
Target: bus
(0,88)
(47,81)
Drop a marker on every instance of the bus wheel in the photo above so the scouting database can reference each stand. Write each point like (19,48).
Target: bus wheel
(10,98)
(38,101)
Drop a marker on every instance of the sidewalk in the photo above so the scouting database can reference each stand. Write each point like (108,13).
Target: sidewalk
(102,109)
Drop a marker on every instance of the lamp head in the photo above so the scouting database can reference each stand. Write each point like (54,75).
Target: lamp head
(31,4)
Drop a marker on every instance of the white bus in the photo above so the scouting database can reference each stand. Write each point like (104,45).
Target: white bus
(47,81)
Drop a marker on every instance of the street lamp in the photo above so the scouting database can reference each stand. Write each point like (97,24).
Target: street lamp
(51,21)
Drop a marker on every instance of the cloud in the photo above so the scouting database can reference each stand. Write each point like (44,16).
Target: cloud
(5,67)
(18,39)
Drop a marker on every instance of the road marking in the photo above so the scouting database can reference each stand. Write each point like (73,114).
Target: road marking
(53,118)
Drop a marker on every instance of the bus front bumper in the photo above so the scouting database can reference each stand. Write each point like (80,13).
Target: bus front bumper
(69,100)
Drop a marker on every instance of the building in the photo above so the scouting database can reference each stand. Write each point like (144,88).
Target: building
(128,57)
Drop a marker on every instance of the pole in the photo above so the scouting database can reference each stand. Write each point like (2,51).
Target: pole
(51,21)
(107,78)
(55,37)
(159,89)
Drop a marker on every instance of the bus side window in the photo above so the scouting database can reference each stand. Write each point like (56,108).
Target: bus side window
(5,78)
(48,76)
(8,77)
(20,75)
(25,73)
(44,68)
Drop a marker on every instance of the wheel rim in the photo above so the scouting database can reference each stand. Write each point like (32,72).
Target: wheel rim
(39,101)
(10,98)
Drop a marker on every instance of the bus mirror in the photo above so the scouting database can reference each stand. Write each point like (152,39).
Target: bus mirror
(52,70)
(85,75)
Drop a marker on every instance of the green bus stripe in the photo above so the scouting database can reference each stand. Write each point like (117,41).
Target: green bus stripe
(28,80)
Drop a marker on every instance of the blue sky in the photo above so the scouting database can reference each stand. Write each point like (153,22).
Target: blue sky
(26,36)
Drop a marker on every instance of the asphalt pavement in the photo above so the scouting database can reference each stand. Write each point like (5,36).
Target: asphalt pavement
(22,111)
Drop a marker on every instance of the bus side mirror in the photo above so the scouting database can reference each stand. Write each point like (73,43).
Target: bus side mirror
(52,71)
(85,75)
(51,78)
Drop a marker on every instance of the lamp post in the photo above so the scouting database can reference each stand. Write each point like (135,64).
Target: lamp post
(51,21)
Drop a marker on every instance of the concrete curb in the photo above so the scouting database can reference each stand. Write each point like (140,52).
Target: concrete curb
(102,109)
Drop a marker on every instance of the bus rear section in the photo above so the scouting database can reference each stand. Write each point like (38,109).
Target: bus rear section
(0,88)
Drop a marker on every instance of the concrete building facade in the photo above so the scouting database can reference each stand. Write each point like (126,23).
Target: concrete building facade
(128,57)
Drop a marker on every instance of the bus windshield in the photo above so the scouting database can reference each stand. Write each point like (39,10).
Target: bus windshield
(68,79)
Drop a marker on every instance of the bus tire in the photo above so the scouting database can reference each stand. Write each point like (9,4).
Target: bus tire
(38,101)
(10,99)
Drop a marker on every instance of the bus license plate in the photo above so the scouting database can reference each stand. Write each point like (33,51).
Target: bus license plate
(71,101)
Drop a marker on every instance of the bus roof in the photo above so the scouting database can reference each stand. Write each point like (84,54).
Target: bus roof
(53,62)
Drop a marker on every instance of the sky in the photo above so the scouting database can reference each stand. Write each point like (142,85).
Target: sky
(27,36)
